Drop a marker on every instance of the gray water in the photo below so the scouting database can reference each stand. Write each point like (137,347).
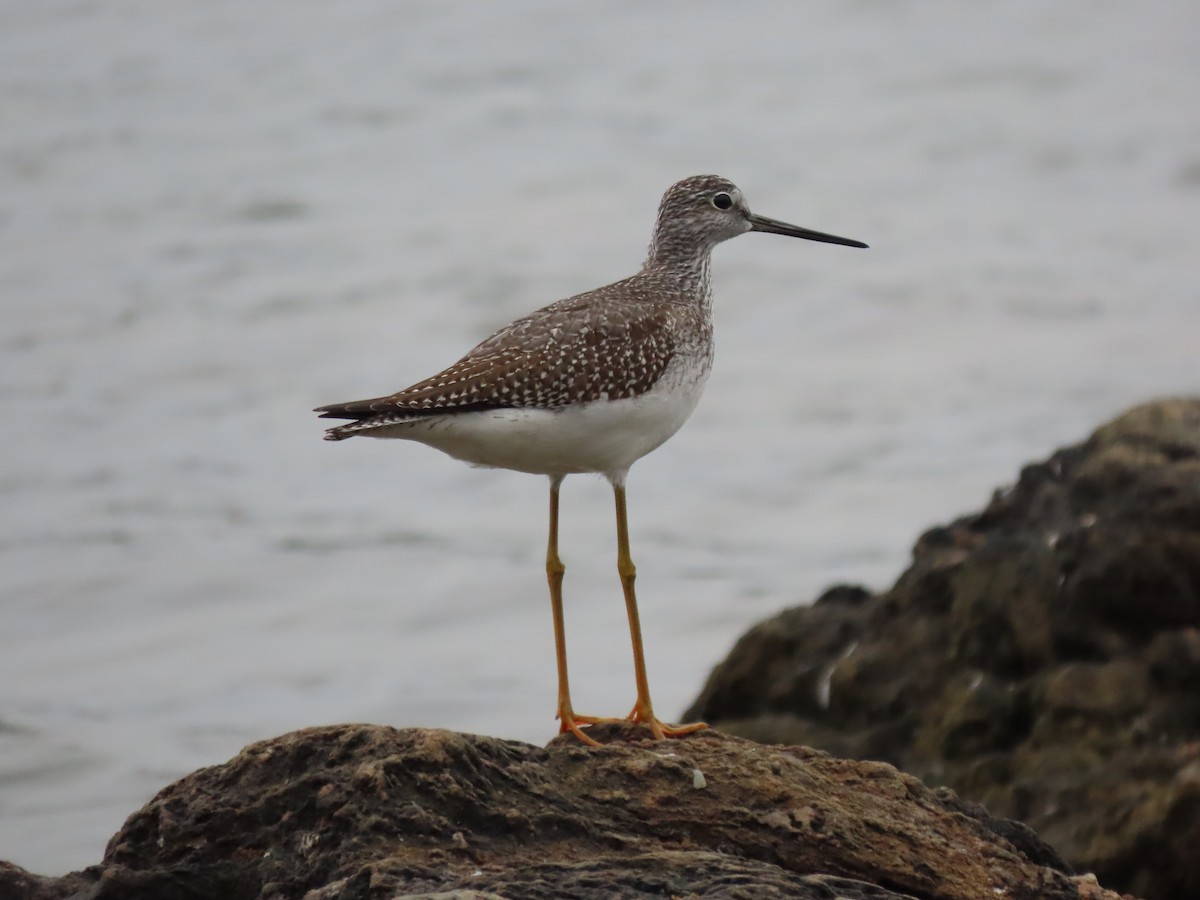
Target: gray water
(216,216)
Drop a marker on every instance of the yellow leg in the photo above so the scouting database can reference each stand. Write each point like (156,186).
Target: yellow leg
(568,720)
(643,710)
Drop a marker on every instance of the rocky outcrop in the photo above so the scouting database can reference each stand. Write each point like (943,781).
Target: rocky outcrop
(1041,657)
(357,811)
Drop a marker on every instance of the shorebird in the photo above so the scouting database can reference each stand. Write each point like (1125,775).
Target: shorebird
(591,383)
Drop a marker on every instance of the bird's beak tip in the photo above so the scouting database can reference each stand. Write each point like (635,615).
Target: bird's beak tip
(774,226)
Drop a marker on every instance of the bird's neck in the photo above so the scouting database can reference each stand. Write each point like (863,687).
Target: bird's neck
(686,264)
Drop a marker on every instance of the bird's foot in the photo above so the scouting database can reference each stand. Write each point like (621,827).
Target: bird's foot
(569,721)
(642,713)
(639,715)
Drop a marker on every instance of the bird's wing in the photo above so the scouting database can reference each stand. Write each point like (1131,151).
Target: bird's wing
(573,351)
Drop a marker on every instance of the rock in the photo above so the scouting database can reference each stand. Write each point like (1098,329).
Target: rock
(17,884)
(355,812)
(1041,656)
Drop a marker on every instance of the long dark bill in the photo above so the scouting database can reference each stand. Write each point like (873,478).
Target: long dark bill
(774,226)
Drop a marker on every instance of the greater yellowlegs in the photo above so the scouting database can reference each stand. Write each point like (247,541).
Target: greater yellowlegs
(591,383)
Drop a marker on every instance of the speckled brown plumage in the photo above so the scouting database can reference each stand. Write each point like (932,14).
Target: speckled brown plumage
(612,343)
(609,344)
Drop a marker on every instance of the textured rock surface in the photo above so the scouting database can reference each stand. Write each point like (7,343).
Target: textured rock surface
(362,811)
(1041,657)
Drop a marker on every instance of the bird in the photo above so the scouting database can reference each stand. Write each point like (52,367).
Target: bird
(588,384)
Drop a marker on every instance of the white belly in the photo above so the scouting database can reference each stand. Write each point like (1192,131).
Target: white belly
(605,436)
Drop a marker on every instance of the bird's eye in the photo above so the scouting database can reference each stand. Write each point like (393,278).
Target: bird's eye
(722,200)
